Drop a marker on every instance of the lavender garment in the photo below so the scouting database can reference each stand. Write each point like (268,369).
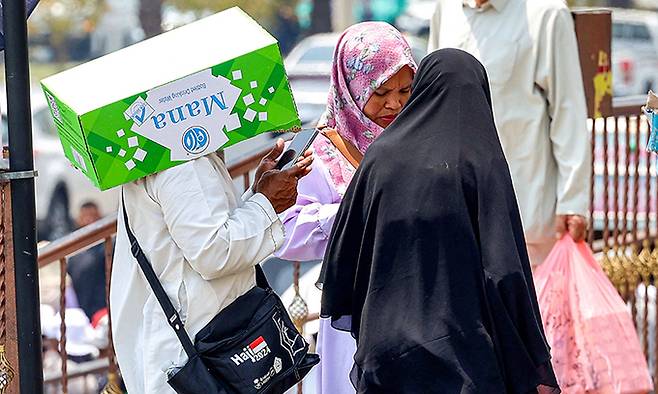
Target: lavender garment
(308,223)
(336,349)
(71,298)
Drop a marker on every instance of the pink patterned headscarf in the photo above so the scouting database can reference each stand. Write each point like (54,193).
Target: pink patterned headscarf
(367,55)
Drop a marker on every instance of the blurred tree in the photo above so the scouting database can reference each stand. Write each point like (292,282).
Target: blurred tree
(63,19)
(59,20)
(150,11)
(264,11)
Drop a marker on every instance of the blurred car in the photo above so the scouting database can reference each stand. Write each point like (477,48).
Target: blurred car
(314,54)
(60,188)
(311,106)
(634,51)
(309,70)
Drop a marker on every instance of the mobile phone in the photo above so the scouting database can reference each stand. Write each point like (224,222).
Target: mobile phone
(300,144)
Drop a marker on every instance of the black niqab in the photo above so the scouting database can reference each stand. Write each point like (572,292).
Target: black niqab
(427,265)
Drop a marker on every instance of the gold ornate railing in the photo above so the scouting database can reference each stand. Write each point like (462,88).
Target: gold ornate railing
(624,215)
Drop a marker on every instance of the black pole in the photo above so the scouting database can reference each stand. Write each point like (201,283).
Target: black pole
(22,195)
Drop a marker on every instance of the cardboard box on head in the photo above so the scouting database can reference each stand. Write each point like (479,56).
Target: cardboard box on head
(172,98)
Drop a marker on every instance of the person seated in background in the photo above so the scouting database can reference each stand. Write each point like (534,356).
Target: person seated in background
(87,269)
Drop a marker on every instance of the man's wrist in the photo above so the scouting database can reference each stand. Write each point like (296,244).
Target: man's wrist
(266,206)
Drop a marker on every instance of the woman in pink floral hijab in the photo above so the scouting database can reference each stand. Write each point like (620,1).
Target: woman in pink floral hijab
(366,58)
(370,83)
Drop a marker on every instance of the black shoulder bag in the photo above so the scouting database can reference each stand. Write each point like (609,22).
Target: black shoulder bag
(250,347)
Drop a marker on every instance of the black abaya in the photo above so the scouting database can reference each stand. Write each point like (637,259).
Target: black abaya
(427,265)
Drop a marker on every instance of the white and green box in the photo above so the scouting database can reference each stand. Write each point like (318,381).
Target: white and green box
(172,98)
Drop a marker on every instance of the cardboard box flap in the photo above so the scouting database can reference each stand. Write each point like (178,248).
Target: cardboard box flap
(159,60)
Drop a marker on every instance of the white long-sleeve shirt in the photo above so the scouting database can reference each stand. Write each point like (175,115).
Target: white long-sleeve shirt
(203,242)
(529,50)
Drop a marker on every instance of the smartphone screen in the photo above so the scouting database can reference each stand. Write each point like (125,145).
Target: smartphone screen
(300,144)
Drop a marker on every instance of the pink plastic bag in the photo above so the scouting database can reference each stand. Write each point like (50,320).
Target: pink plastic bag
(594,345)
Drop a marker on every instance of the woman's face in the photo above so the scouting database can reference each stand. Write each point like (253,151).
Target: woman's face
(386,102)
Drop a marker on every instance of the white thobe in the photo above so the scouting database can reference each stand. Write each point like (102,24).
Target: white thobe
(203,242)
(530,52)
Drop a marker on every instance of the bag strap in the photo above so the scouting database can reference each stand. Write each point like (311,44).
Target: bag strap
(261,279)
(353,155)
(173,318)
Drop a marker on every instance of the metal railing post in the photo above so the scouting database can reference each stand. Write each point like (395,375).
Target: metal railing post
(22,190)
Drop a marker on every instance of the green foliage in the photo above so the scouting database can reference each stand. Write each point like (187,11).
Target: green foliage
(66,15)
(261,10)
(59,18)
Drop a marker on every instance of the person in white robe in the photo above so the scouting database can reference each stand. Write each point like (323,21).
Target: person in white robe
(203,241)
(530,51)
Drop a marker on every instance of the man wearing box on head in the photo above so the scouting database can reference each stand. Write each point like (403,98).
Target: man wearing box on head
(204,242)
(530,52)
(185,272)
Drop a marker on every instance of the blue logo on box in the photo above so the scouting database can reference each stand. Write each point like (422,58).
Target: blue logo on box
(196,139)
(139,111)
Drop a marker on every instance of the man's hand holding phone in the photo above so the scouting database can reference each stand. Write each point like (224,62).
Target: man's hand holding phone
(280,187)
